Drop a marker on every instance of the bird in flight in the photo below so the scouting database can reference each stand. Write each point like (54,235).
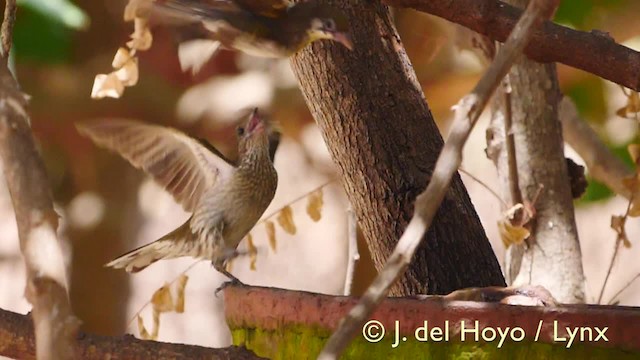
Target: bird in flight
(226,199)
(264,28)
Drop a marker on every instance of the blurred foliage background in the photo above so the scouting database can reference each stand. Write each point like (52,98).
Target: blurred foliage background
(110,208)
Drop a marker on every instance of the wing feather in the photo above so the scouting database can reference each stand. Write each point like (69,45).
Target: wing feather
(179,163)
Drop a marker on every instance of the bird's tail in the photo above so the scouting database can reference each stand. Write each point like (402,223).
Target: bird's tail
(169,246)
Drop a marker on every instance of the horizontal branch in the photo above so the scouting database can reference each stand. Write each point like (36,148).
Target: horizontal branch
(594,52)
(17,341)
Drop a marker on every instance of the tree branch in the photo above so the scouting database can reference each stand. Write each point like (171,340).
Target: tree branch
(37,222)
(6,32)
(594,51)
(467,113)
(602,164)
(17,341)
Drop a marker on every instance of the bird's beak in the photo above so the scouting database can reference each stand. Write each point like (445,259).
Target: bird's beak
(344,39)
(255,122)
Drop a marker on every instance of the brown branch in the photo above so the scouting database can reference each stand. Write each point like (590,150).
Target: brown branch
(514,182)
(6,32)
(26,178)
(17,341)
(593,52)
(602,164)
(467,113)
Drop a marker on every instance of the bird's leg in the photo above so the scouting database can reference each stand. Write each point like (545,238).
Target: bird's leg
(220,265)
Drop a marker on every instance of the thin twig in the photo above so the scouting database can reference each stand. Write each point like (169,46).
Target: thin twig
(616,250)
(6,35)
(493,192)
(427,203)
(514,182)
(183,272)
(352,253)
(625,287)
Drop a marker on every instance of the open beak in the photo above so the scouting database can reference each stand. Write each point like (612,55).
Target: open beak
(255,122)
(344,39)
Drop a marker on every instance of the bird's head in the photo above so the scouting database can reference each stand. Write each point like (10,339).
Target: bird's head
(322,21)
(257,136)
(334,27)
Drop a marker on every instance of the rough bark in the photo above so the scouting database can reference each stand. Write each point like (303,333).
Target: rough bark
(382,136)
(552,257)
(17,341)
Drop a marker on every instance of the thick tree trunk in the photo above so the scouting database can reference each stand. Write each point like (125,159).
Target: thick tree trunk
(380,132)
(553,258)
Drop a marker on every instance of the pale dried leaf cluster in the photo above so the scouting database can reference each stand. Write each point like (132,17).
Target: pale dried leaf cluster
(633,185)
(284,218)
(514,224)
(512,230)
(125,62)
(168,298)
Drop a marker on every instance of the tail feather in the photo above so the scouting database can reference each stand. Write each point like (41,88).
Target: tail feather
(167,247)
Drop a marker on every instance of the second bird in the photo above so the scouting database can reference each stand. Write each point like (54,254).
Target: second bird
(226,200)
(264,28)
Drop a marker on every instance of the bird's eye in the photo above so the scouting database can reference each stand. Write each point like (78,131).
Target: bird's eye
(240,130)
(330,25)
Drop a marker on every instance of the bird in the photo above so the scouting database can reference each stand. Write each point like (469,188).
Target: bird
(226,198)
(263,28)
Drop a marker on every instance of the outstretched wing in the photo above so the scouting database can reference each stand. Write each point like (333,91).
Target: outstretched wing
(269,8)
(179,163)
(191,11)
(210,9)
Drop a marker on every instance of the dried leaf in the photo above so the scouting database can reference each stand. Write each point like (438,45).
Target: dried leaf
(180,287)
(618,225)
(314,205)
(285,219)
(107,86)
(512,234)
(271,234)
(156,325)
(128,74)
(253,253)
(634,152)
(144,334)
(511,226)
(634,210)
(632,108)
(162,300)
(141,38)
(122,57)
